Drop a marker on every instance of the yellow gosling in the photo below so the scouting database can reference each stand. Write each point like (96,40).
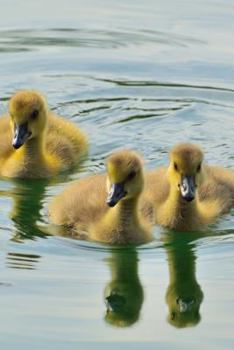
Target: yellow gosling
(36,143)
(189,194)
(84,204)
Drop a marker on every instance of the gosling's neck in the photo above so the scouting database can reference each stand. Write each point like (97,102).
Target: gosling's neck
(179,213)
(180,205)
(33,151)
(126,212)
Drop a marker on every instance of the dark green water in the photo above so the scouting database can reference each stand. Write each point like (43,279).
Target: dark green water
(144,75)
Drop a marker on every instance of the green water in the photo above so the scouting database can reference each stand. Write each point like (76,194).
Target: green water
(139,74)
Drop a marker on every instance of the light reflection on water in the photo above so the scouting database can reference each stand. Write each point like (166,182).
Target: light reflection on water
(145,76)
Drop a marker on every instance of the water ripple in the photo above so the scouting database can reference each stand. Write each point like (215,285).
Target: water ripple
(20,40)
(140,83)
(22,260)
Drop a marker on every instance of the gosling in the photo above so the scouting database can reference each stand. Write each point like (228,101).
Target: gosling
(35,142)
(189,194)
(107,205)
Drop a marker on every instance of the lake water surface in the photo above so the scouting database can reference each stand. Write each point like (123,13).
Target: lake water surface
(138,74)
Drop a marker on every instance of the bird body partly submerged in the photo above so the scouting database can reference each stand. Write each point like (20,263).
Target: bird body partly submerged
(35,142)
(83,204)
(212,191)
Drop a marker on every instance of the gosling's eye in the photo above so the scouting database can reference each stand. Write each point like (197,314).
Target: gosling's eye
(131,175)
(34,114)
(199,168)
(175,166)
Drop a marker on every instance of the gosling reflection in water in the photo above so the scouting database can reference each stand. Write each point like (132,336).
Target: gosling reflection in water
(27,203)
(184,295)
(124,293)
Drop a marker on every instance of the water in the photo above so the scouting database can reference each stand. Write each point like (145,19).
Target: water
(143,75)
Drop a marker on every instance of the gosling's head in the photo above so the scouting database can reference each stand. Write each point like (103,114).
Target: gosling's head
(185,169)
(124,176)
(28,111)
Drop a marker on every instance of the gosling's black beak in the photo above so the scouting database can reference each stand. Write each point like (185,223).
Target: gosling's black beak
(116,193)
(188,188)
(21,134)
